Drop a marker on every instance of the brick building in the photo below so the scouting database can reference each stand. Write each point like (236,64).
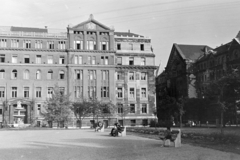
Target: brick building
(88,60)
(191,68)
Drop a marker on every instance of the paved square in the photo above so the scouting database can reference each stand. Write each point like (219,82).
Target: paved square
(89,145)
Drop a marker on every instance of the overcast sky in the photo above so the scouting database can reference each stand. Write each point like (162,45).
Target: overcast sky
(204,22)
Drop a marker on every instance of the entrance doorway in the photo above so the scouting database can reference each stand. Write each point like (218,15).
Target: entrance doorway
(38,123)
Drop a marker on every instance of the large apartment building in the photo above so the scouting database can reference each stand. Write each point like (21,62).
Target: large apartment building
(88,60)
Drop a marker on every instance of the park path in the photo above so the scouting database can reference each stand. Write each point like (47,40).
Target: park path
(89,145)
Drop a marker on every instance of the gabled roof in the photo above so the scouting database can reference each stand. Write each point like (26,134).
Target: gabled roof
(126,34)
(91,19)
(237,39)
(187,52)
(216,51)
(223,48)
(191,52)
(28,29)
(238,35)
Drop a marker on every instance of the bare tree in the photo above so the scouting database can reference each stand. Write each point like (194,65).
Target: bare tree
(123,111)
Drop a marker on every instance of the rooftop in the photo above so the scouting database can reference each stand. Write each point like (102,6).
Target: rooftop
(127,34)
(192,52)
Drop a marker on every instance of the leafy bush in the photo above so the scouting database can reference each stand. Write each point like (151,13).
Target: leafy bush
(153,123)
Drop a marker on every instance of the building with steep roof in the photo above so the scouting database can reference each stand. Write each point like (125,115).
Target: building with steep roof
(88,60)
(190,68)
(179,69)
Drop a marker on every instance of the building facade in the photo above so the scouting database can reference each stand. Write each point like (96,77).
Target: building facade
(191,68)
(84,61)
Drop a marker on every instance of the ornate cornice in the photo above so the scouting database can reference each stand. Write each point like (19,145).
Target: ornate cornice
(34,49)
(55,50)
(124,67)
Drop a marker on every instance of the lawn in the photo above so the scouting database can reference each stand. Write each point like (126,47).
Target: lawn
(205,137)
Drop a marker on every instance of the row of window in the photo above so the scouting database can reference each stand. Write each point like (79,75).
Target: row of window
(78,91)
(132,108)
(211,63)
(78,44)
(38,59)
(92,92)
(132,92)
(132,76)
(212,76)
(26,59)
(91,60)
(130,46)
(90,45)
(78,74)
(77,59)
(26,74)
(26,91)
(14,43)
(131,61)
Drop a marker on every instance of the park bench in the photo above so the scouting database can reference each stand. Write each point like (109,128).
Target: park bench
(122,133)
(175,138)
(99,128)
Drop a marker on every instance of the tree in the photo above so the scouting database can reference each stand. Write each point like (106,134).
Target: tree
(180,104)
(57,108)
(82,108)
(224,93)
(92,107)
(167,109)
(107,109)
(198,109)
(154,111)
(122,111)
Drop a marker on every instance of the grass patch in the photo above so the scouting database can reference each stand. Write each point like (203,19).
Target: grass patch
(204,137)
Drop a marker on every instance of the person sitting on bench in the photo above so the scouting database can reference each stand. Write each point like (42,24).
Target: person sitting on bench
(167,135)
(116,129)
(99,126)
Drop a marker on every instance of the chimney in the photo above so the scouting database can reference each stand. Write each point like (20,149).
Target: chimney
(205,50)
(129,31)
(45,27)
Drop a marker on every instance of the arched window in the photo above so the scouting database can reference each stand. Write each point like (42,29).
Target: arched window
(38,74)
(61,74)
(2,74)
(50,74)
(26,74)
(14,74)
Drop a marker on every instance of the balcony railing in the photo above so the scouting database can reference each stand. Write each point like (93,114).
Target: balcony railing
(33,34)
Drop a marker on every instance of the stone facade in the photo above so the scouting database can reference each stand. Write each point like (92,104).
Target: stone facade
(84,61)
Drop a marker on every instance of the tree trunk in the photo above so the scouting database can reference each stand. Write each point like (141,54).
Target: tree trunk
(155,123)
(222,132)
(180,121)
(80,123)
(122,120)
